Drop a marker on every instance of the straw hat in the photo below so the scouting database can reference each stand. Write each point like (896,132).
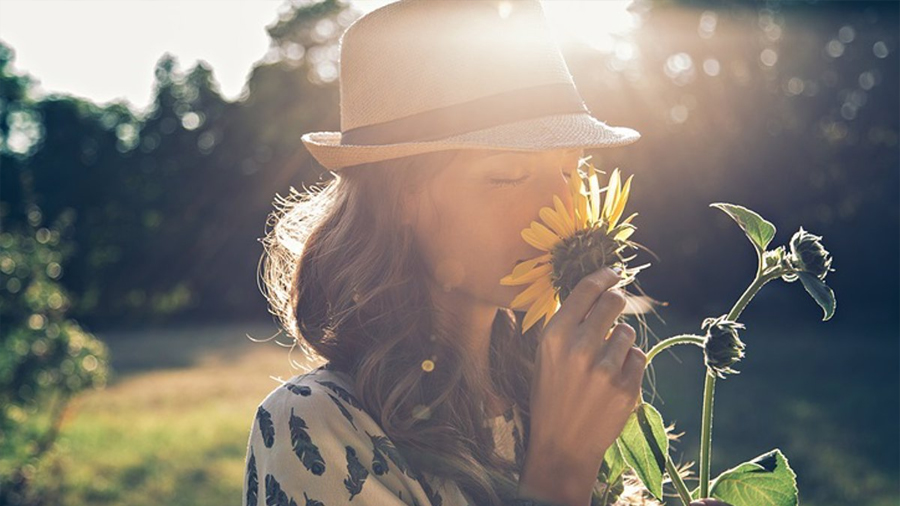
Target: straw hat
(418,76)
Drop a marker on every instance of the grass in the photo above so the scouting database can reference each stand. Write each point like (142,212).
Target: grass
(171,427)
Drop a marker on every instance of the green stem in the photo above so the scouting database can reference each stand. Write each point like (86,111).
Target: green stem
(680,487)
(706,433)
(709,386)
(672,341)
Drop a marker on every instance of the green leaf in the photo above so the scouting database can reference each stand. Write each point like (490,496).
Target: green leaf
(822,294)
(767,480)
(644,446)
(757,229)
(614,461)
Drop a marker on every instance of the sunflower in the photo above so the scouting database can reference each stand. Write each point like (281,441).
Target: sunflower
(576,243)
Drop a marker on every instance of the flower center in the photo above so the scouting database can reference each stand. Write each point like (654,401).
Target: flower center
(582,253)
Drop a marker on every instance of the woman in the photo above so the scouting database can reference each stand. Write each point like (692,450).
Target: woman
(459,121)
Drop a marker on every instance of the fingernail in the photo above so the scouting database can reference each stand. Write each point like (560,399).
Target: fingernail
(617,269)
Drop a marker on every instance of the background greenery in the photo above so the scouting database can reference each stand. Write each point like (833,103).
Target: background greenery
(156,214)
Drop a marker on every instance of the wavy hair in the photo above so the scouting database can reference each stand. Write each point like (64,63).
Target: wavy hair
(346,281)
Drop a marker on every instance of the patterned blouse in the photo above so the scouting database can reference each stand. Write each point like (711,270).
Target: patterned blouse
(311,444)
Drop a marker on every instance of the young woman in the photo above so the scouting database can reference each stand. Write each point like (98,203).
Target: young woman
(459,121)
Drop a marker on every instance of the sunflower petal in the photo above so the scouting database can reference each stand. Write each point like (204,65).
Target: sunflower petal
(582,218)
(612,194)
(575,182)
(532,238)
(522,268)
(624,234)
(556,222)
(566,214)
(545,234)
(620,205)
(531,293)
(628,219)
(595,198)
(534,274)
(536,311)
(551,309)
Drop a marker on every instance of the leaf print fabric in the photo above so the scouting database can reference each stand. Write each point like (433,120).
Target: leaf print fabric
(311,443)
(306,451)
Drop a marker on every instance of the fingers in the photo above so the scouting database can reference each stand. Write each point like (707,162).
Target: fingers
(633,368)
(617,348)
(576,306)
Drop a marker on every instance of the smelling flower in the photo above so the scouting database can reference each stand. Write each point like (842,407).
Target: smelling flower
(576,243)
(723,348)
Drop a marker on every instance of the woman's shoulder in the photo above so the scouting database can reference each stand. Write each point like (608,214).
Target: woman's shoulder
(311,439)
(323,394)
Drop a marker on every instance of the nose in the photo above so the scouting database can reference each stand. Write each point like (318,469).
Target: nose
(560,187)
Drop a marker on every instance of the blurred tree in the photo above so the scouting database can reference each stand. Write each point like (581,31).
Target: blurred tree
(786,107)
(45,357)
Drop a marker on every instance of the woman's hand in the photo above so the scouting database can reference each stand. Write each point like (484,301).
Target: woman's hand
(584,389)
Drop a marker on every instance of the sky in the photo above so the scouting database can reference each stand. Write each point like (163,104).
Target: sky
(123,39)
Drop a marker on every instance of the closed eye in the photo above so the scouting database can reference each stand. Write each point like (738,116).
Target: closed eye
(508,182)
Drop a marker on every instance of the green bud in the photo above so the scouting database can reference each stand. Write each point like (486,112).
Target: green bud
(722,347)
(808,255)
(774,257)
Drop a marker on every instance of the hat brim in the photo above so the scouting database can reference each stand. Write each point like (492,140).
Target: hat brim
(539,134)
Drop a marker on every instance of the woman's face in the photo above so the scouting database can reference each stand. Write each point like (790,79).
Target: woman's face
(468,219)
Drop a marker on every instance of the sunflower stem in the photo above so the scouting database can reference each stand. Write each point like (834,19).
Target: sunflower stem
(680,487)
(709,385)
(672,341)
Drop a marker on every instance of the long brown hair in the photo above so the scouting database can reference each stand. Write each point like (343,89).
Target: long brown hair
(348,284)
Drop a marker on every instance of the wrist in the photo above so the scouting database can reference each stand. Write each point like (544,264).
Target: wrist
(553,485)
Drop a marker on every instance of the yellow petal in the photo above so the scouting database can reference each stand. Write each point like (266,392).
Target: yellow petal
(581,211)
(531,293)
(555,222)
(532,238)
(526,266)
(595,198)
(534,274)
(550,309)
(566,214)
(628,219)
(624,234)
(575,182)
(612,193)
(620,205)
(536,311)
(545,234)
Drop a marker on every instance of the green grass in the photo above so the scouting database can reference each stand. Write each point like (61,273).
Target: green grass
(171,427)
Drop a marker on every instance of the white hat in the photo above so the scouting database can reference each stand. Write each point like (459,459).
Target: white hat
(418,76)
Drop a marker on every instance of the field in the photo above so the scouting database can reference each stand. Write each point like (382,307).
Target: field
(172,425)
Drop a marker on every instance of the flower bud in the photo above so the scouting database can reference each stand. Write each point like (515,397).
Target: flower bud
(808,254)
(722,347)
(774,257)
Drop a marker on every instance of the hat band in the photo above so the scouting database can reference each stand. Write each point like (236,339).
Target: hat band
(485,112)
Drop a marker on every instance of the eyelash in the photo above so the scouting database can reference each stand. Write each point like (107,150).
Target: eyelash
(508,182)
(516,182)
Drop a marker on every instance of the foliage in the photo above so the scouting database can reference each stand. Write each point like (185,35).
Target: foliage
(45,357)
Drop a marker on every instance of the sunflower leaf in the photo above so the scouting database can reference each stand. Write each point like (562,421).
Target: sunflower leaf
(820,292)
(767,480)
(758,230)
(644,446)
